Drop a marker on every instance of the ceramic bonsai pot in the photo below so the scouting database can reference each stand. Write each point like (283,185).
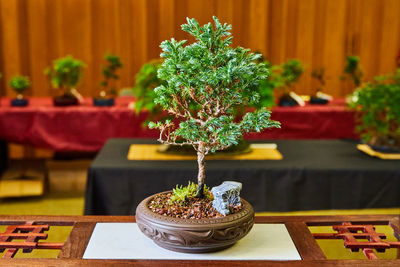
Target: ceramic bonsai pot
(318,101)
(103,102)
(287,101)
(194,235)
(19,102)
(65,100)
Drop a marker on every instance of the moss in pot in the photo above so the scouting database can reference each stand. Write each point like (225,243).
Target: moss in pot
(205,82)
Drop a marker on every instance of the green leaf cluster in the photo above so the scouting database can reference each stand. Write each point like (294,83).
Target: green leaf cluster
(109,72)
(145,83)
(181,193)
(65,73)
(20,83)
(284,75)
(377,105)
(206,81)
(352,70)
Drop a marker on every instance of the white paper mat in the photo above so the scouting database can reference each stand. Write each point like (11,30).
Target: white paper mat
(125,241)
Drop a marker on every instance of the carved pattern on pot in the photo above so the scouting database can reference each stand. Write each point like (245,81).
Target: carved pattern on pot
(193,238)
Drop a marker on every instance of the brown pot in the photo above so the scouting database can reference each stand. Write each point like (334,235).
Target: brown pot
(194,235)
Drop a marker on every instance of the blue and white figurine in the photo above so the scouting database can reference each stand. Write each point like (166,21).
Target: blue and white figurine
(225,195)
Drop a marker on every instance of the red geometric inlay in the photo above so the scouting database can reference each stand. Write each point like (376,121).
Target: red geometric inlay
(31,234)
(350,233)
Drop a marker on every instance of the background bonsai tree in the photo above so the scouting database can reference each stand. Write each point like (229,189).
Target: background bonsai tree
(65,74)
(205,82)
(145,83)
(378,111)
(19,84)
(109,72)
(352,71)
(283,76)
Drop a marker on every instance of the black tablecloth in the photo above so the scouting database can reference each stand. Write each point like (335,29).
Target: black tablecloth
(3,156)
(313,175)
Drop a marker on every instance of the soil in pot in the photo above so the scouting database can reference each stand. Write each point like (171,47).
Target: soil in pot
(192,208)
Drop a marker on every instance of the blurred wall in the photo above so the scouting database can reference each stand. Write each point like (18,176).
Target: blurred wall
(319,32)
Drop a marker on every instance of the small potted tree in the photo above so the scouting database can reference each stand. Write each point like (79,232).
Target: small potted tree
(205,82)
(352,71)
(285,75)
(319,97)
(65,75)
(109,72)
(378,112)
(19,84)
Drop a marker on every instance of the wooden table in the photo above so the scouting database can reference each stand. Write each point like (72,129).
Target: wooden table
(72,251)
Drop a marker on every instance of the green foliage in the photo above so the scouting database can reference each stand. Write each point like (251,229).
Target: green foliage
(265,89)
(109,72)
(65,73)
(20,83)
(378,110)
(213,79)
(146,82)
(285,74)
(181,194)
(352,71)
(291,71)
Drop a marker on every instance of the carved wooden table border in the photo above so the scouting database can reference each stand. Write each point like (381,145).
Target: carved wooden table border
(73,249)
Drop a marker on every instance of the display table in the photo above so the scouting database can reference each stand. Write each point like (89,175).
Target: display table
(73,251)
(314,174)
(86,128)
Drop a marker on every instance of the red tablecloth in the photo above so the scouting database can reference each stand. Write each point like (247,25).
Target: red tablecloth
(86,127)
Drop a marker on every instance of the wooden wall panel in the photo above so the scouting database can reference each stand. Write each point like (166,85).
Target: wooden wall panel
(320,33)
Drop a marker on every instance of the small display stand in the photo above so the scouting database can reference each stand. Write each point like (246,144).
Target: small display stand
(150,152)
(373,153)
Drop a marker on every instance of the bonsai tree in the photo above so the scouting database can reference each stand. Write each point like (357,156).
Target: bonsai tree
(284,76)
(352,71)
(19,84)
(109,72)
(65,74)
(205,82)
(378,111)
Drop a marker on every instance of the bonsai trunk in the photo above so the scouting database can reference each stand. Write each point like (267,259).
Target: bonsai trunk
(202,173)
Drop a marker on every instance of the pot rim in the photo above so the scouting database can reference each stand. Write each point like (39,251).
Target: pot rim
(144,211)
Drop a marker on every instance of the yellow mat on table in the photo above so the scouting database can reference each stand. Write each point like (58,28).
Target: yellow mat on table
(149,152)
(373,153)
